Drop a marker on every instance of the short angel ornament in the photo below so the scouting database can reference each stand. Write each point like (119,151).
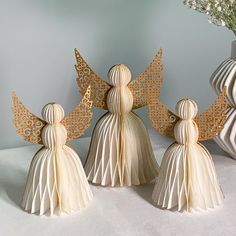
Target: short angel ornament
(187,179)
(56,180)
(120,152)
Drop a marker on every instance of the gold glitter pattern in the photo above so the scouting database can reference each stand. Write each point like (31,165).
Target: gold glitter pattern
(86,77)
(27,124)
(163,120)
(147,84)
(211,121)
(78,120)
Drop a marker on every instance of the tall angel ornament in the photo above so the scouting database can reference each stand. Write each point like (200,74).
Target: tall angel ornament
(56,180)
(187,178)
(120,152)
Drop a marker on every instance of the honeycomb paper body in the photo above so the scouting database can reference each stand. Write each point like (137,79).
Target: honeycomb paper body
(120,151)
(187,178)
(56,181)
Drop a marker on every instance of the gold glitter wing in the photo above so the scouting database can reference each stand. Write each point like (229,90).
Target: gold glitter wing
(148,83)
(27,124)
(211,121)
(78,120)
(86,77)
(163,120)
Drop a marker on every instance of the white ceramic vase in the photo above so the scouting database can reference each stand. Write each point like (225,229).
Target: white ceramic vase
(225,75)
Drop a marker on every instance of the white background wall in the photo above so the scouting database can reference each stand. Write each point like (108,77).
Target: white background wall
(37,39)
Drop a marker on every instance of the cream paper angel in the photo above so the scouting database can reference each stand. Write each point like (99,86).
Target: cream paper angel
(56,180)
(120,152)
(187,178)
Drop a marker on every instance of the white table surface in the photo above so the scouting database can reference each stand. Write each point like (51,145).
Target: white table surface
(114,211)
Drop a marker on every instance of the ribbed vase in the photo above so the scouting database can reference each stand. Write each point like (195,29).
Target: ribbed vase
(225,75)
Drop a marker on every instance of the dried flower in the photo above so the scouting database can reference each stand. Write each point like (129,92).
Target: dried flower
(220,12)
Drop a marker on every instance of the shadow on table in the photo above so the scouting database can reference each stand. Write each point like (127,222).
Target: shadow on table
(12,182)
(145,192)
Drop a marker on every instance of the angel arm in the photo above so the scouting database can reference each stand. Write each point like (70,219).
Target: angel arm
(27,124)
(147,83)
(86,77)
(163,120)
(78,120)
(211,121)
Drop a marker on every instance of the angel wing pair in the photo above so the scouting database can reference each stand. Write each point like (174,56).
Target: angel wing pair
(56,180)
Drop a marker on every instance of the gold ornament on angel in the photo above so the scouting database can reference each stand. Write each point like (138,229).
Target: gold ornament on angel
(56,180)
(120,152)
(187,178)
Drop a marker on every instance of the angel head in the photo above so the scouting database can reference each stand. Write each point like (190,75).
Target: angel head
(186,109)
(119,75)
(53,113)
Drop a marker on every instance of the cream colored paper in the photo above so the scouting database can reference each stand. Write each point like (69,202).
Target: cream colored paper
(187,178)
(120,153)
(56,181)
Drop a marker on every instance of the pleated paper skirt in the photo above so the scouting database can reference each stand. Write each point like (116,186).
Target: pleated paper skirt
(187,179)
(120,152)
(56,183)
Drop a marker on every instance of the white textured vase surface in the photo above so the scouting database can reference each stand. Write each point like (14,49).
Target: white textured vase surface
(56,181)
(225,75)
(120,153)
(187,178)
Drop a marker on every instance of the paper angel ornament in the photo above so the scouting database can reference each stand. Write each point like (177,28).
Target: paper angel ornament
(56,180)
(187,178)
(120,152)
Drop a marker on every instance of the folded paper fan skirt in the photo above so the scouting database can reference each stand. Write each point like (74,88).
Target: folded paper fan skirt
(120,152)
(56,183)
(187,179)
